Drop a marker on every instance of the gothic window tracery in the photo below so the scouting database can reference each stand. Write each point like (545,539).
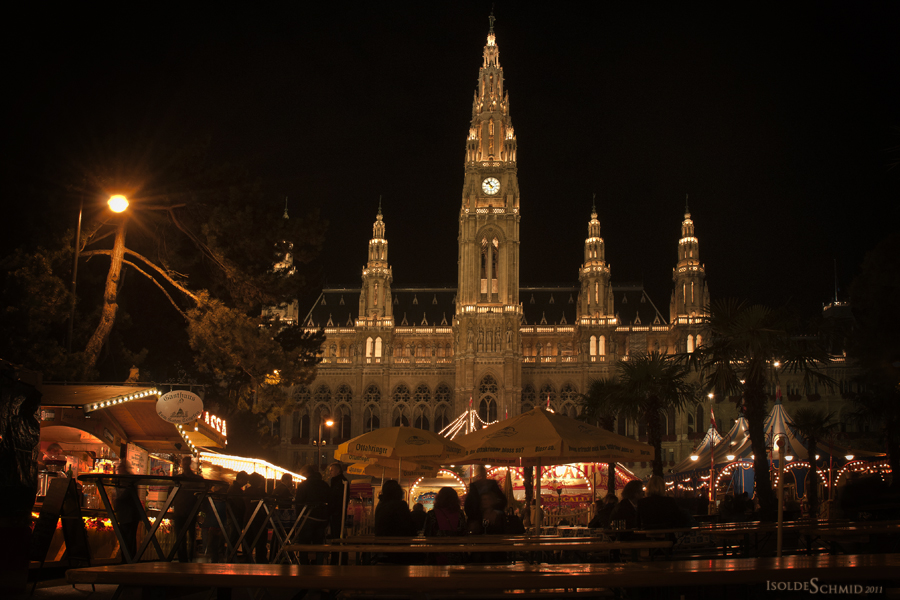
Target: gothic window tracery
(422,394)
(568,394)
(420,419)
(442,393)
(341,425)
(487,404)
(401,394)
(400,416)
(322,395)
(371,422)
(529,398)
(344,394)
(301,394)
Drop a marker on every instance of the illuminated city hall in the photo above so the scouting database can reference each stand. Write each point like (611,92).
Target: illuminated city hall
(423,356)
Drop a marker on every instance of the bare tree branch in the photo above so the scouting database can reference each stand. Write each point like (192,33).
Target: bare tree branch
(158,284)
(150,263)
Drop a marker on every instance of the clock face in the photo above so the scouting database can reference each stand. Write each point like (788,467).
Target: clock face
(490,186)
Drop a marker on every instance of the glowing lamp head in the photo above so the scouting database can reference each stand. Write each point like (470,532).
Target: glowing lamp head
(329,423)
(729,456)
(694,457)
(118,203)
(849,457)
(776,364)
(789,458)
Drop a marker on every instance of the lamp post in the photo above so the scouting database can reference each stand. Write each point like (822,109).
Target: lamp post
(326,423)
(117,203)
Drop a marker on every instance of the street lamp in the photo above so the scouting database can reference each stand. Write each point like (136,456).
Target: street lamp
(117,203)
(326,423)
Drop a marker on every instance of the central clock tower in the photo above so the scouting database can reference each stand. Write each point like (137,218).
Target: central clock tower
(488,313)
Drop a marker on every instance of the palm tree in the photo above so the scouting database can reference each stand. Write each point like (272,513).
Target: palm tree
(877,407)
(747,345)
(651,385)
(813,425)
(600,405)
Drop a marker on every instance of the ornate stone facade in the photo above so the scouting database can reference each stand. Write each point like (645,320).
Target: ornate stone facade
(422,356)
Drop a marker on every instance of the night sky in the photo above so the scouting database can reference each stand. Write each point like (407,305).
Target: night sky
(782,127)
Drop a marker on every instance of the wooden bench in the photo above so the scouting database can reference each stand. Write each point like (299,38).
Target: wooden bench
(423,581)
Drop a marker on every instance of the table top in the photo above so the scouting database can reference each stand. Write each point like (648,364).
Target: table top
(561,544)
(823,570)
(467,539)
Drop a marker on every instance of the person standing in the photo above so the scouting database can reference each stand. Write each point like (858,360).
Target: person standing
(256,528)
(127,511)
(313,493)
(284,511)
(237,504)
(336,506)
(182,506)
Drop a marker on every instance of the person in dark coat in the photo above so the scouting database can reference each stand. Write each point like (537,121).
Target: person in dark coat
(473,503)
(254,494)
(658,511)
(236,502)
(418,516)
(336,506)
(127,510)
(392,518)
(182,506)
(284,511)
(626,510)
(446,519)
(312,493)
(605,509)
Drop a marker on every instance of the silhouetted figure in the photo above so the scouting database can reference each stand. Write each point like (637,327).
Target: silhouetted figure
(626,510)
(418,516)
(658,511)
(254,495)
(446,519)
(127,510)
(480,486)
(334,475)
(313,493)
(605,508)
(392,518)
(182,506)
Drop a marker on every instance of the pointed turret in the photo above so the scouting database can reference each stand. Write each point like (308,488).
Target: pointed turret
(690,297)
(375,298)
(594,299)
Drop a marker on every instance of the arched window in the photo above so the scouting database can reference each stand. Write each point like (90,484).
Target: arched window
(690,423)
(529,397)
(322,395)
(593,345)
(547,391)
(568,394)
(442,393)
(301,395)
(304,426)
(295,424)
(487,399)
(342,422)
(601,350)
(378,347)
(344,394)
(368,347)
(420,418)
(400,416)
(690,343)
(370,419)
(569,410)
(699,340)
(441,417)
(401,393)
(423,394)
(699,418)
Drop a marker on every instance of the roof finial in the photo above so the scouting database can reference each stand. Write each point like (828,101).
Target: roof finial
(594,203)
(285,216)
(687,211)
(491,19)
(379,205)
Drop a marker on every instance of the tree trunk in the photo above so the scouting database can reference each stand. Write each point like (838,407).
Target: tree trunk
(812,493)
(756,416)
(110,303)
(655,439)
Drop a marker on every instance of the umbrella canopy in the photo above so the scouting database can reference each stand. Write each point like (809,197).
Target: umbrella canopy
(374,469)
(541,437)
(401,444)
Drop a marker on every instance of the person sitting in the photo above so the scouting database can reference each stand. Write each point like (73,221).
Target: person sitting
(658,511)
(626,510)
(481,485)
(392,518)
(418,516)
(605,509)
(446,519)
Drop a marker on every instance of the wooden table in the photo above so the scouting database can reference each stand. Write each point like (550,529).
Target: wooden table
(826,570)
(837,535)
